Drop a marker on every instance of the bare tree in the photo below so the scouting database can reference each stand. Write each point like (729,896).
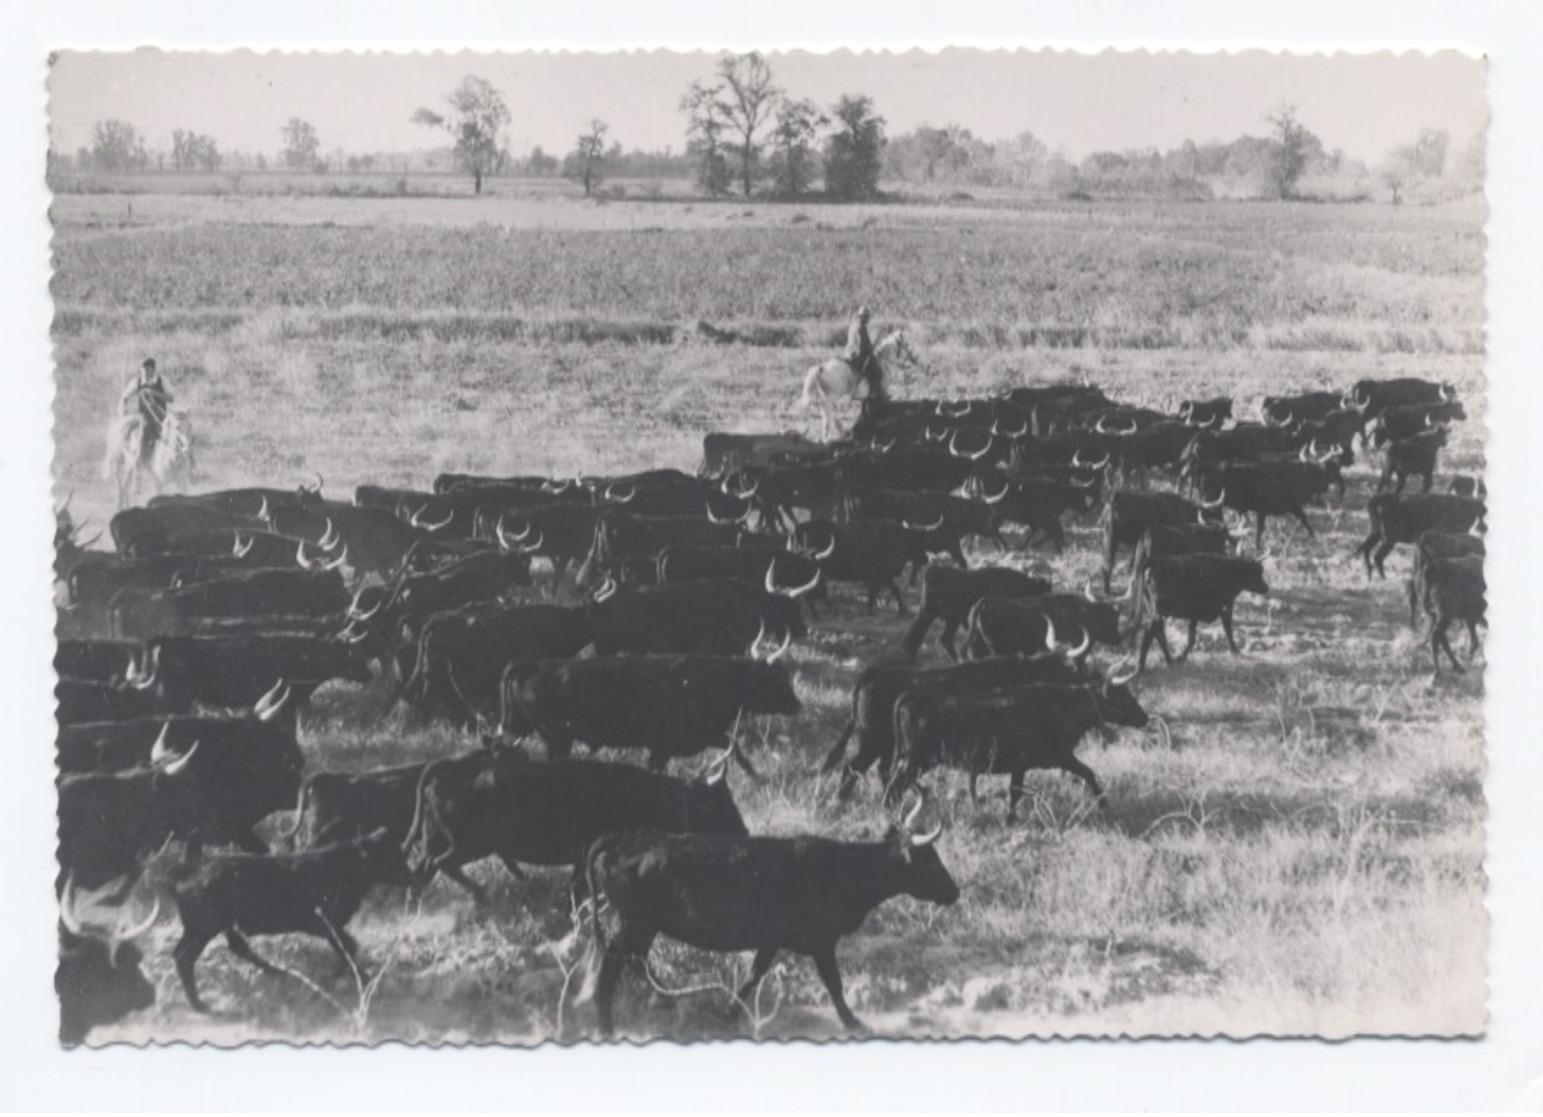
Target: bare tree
(478,116)
(589,153)
(748,100)
(705,128)
(1296,147)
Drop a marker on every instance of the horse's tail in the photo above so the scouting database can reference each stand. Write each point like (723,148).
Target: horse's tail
(811,377)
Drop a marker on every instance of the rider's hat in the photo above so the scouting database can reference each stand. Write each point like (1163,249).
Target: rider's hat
(862,312)
(149,364)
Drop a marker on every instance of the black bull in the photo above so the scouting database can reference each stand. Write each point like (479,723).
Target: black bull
(672,706)
(550,814)
(949,594)
(878,688)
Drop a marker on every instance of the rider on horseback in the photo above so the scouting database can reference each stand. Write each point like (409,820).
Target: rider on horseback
(149,397)
(859,352)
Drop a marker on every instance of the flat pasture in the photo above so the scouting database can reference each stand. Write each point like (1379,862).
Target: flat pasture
(1295,844)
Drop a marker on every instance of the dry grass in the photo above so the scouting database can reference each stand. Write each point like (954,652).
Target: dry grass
(1295,845)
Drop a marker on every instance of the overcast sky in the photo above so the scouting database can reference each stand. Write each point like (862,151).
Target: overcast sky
(1364,104)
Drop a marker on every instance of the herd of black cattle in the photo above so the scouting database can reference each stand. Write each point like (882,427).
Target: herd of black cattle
(186,658)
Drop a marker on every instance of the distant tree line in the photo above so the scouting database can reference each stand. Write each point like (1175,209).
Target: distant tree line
(746,135)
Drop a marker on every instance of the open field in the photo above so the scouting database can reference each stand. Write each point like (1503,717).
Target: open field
(1294,846)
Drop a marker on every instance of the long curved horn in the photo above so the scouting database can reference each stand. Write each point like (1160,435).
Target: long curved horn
(712,519)
(67,913)
(632,491)
(887,447)
(755,645)
(1001,495)
(329,538)
(924,527)
(1082,648)
(131,672)
(262,511)
(1135,425)
(920,840)
(175,767)
(532,548)
(606,591)
(417,522)
(122,935)
(799,591)
(353,610)
(146,679)
(305,563)
(1087,591)
(1099,426)
(1121,678)
(269,698)
(160,753)
(910,815)
(782,649)
(1049,633)
(337,562)
(1218,502)
(830,549)
(931,435)
(238,550)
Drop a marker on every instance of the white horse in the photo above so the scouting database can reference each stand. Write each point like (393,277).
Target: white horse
(836,380)
(171,459)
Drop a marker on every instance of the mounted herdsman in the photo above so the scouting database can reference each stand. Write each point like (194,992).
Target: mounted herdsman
(857,373)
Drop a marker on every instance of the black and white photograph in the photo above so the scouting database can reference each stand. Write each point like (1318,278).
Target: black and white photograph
(586,547)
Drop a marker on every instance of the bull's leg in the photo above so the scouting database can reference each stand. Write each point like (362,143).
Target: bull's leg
(1015,792)
(873,598)
(1473,640)
(611,964)
(894,588)
(758,970)
(1146,642)
(1189,643)
(974,790)
(1440,636)
(1429,477)
(955,552)
(825,963)
(1259,519)
(1301,515)
(1384,549)
(946,639)
(1365,550)
(241,948)
(1227,628)
(1085,774)
(849,778)
(1402,477)
(185,955)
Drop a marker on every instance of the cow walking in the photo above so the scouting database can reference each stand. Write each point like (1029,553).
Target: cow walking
(768,895)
